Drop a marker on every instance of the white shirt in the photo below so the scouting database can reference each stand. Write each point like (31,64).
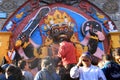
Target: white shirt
(90,73)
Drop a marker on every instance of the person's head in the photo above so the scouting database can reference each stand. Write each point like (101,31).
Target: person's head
(13,71)
(1,70)
(117,58)
(10,70)
(107,57)
(22,64)
(4,66)
(86,59)
(116,55)
(95,60)
(47,63)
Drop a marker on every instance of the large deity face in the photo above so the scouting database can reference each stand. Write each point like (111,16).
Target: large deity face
(59,26)
(59,31)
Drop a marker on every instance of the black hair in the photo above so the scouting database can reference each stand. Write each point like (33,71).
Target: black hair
(15,72)
(1,69)
(118,52)
(47,60)
(21,64)
(107,57)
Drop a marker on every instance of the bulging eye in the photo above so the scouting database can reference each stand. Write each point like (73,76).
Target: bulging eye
(88,24)
(66,29)
(97,25)
(55,31)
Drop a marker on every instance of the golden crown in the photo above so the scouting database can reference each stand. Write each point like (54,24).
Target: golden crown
(59,18)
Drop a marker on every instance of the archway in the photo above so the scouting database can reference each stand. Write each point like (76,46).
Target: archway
(31,23)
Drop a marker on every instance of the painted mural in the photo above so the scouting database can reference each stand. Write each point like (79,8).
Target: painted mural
(38,25)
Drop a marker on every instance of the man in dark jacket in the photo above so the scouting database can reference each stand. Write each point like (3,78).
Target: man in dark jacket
(47,71)
(111,69)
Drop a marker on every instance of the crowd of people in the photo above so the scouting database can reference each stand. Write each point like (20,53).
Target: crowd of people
(65,67)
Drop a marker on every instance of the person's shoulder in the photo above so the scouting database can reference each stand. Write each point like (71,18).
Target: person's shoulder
(54,73)
(28,73)
(114,71)
(94,67)
(112,64)
(39,72)
(2,77)
(38,75)
(43,72)
(56,76)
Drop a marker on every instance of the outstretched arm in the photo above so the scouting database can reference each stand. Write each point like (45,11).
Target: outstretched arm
(75,71)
